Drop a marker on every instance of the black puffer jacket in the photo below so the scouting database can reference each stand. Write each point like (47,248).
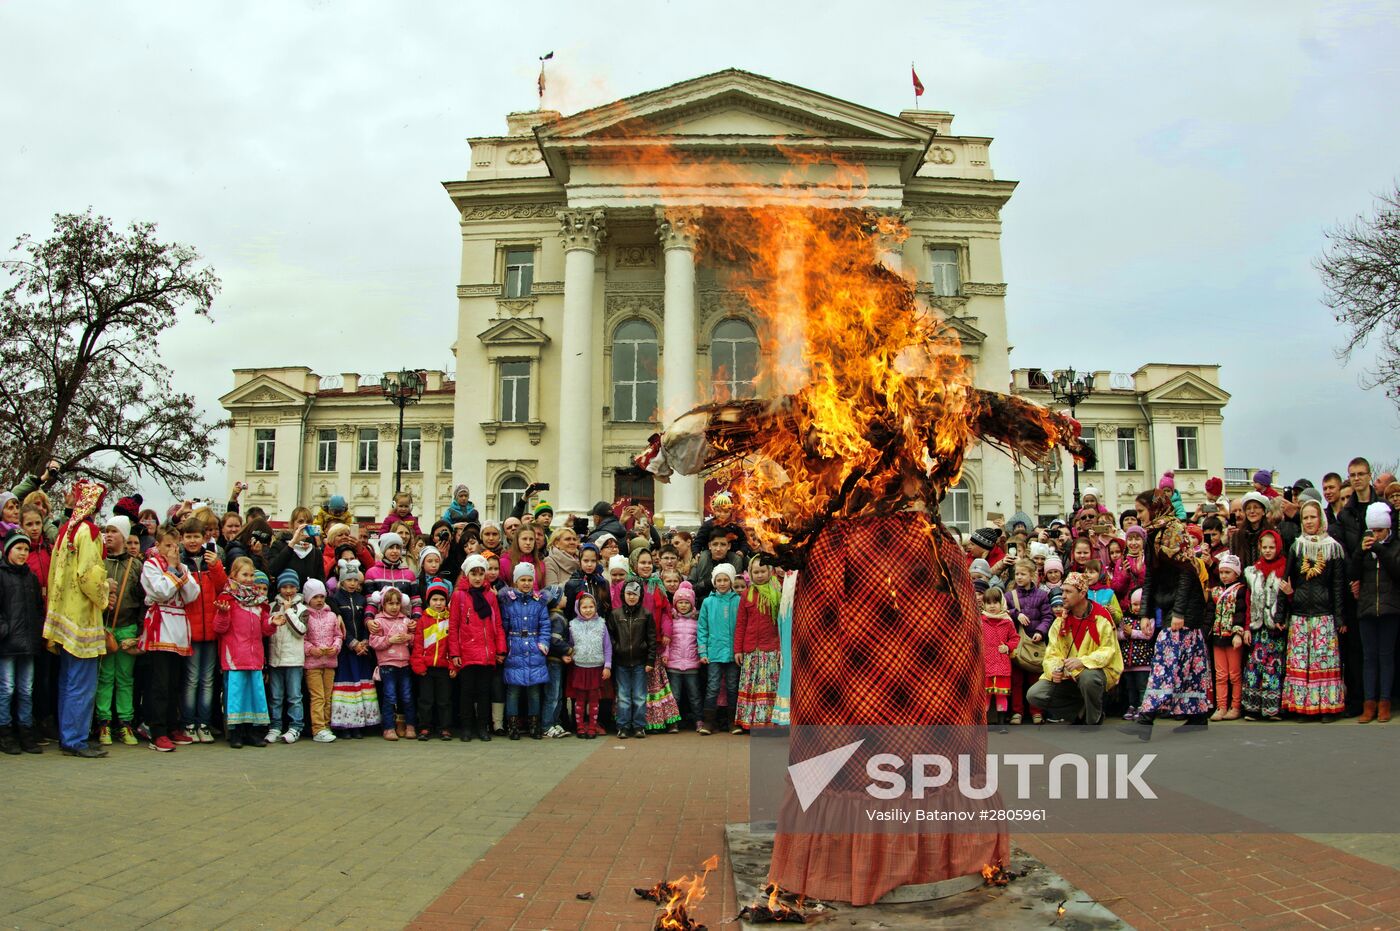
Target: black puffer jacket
(21,612)
(1171,587)
(1323,594)
(1379,573)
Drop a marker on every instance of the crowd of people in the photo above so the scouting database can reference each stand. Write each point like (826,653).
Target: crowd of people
(1280,604)
(122,626)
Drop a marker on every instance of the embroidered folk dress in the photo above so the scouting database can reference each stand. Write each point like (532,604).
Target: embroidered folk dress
(1263,671)
(1313,667)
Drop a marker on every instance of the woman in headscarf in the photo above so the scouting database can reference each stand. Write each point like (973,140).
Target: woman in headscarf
(1174,596)
(1313,606)
(1263,671)
(78,594)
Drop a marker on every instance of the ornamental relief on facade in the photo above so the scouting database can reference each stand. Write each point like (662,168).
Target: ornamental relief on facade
(941,155)
(478,290)
(529,211)
(265,418)
(345,432)
(984,288)
(634,255)
(619,306)
(524,155)
(948,211)
(514,306)
(582,229)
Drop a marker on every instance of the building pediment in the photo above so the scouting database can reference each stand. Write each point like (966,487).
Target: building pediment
(262,391)
(1188,388)
(516,331)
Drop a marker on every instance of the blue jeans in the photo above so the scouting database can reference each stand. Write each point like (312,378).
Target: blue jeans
(17,681)
(631,685)
(553,696)
(197,704)
(396,688)
(77,693)
(532,699)
(685,685)
(284,696)
(730,671)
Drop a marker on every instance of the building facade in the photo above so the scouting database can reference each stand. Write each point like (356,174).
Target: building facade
(585,319)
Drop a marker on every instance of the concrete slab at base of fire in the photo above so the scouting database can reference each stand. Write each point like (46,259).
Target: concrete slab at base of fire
(1032,900)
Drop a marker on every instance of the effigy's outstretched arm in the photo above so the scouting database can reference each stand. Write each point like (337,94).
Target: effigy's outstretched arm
(1025,428)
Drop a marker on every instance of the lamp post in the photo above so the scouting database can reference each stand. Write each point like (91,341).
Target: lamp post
(402,389)
(1071,387)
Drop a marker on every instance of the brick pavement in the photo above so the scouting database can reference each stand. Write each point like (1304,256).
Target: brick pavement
(657,809)
(360,833)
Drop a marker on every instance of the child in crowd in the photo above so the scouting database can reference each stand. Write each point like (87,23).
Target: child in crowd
(429,568)
(587,577)
(1135,641)
(393,571)
(551,710)
(1100,592)
(756,648)
(633,634)
(435,663)
(1229,636)
(21,639)
(286,660)
(115,704)
(201,558)
(324,636)
(1054,574)
(169,587)
(715,554)
(682,654)
(493,572)
(481,645)
(523,551)
(491,536)
(1030,610)
(671,581)
(525,622)
(662,712)
(1263,673)
(719,614)
(590,663)
(354,703)
(999,640)
(241,621)
(618,568)
(982,576)
(402,513)
(392,646)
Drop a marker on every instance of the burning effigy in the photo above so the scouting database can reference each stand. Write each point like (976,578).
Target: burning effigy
(870,414)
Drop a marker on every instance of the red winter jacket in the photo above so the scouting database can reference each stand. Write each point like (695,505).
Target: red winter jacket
(241,631)
(440,653)
(755,629)
(212,581)
(479,640)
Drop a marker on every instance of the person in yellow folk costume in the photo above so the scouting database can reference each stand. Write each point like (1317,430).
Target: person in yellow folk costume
(78,594)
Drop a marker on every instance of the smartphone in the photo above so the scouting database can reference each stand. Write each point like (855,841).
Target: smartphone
(312,530)
(541,486)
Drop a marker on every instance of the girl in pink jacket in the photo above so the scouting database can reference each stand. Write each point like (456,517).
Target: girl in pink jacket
(241,621)
(324,635)
(391,638)
(678,633)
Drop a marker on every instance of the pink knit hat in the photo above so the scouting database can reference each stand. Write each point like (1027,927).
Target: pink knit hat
(1054,563)
(685,591)
(1168,480)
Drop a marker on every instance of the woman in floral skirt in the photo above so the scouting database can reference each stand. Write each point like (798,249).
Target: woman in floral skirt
(1263,671)
(1313,586)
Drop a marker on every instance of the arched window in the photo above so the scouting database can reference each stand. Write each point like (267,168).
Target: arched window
(511,490)
(634,365)
(733,361)
(956,508)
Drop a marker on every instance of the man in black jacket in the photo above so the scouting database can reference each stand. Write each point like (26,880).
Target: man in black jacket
(1351,520)
(1375,567)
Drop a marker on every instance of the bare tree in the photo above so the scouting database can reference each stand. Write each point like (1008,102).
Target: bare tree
(1360,268)
(80,325)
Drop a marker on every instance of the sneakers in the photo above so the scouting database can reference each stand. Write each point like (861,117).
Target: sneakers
(104,735)
(292,736)
(556,732)
(390,734)
(274,735)
(87,753)
(162,744)
(143,732)
(639,733)
(736,729)
(203,734)
(324,737)
(180,737)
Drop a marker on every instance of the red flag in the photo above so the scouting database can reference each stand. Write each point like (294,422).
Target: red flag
(918,85)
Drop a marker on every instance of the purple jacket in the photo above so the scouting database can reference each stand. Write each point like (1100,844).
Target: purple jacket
(1034,604)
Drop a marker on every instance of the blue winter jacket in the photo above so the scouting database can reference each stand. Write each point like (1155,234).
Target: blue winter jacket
(715,635)
(525,620)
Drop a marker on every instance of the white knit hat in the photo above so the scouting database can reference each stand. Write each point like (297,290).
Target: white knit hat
(311,588)
(724,568)
(389,539)
(1378,516)
(475,561)
(121,523)
(619,562)
(522,570)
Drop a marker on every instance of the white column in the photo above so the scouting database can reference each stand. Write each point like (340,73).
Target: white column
(582,231)
(1108,463)
(680,499)
(429,460)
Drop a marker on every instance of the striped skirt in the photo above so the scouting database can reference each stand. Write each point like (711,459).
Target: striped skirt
(758,688)
(354,701)
(662,709)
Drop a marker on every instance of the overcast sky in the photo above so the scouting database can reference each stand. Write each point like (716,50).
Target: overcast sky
(1177,167)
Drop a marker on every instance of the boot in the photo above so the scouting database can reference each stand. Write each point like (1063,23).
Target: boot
(483,730)
(1383,712)
(580,720)
(1368,713)
(252,738)
(235,736)
(513,727)
(498,713)
(8,743)
(29,741)
(400,727)
(536,731)
(707,723)
(410,732)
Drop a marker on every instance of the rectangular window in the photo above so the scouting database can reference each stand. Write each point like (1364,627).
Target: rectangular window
(367,450)
(520,272)
(1187,448)
(943,272)
(1090,438)
(1127,449)
(448,434)
(515,392)
(325,450)
(636,486)
(411,449)
(264,450)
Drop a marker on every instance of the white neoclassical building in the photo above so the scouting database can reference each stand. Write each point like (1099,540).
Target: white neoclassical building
(585,319)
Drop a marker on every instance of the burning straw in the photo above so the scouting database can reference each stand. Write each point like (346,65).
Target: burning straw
(676,897)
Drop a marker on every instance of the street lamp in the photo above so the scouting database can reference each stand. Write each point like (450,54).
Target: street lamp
(401,390)
(1071,387)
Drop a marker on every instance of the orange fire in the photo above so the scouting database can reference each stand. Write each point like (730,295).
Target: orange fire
(684,894)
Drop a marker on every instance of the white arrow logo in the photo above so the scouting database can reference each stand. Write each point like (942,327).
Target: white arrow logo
(811,776)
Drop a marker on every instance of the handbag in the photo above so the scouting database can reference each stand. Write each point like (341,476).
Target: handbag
(112,646)
(1029,655)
